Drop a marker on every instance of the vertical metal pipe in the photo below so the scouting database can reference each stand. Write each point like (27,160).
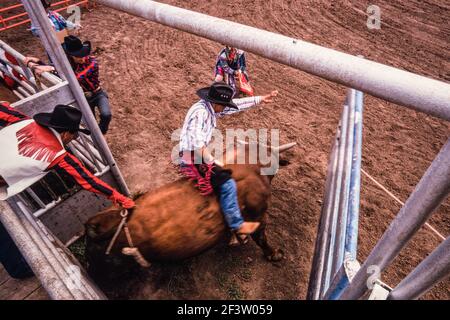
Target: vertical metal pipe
(81,157)
(18,95)
(431,190)
(54,49)
(97,154)
(77,145)
(328,275)
(318,264)
(35,198)
(339,282)
(351,235)
(27,86)
(23,91)
(338,257)
(351,242)
(432,270)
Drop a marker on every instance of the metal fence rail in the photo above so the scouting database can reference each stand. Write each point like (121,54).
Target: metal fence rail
(52,79)
(430,192)
(432,270)
(335,272)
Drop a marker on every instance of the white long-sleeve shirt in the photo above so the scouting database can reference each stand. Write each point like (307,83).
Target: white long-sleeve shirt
(201,120)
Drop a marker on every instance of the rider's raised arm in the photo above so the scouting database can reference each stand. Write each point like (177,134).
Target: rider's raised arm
(242,104)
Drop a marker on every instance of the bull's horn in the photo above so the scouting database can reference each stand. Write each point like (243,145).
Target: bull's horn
(286,147)
(242,142)
(280,149)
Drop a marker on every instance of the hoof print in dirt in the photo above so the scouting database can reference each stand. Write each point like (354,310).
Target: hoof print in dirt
(277,256)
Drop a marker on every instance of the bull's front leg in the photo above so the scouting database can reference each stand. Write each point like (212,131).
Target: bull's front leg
(259,236)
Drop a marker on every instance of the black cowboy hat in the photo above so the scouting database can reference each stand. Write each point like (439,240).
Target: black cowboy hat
(219,93)
(63,117)
(74,47)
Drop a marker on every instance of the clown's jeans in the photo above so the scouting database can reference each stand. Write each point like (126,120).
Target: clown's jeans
(11,258)
(229,204)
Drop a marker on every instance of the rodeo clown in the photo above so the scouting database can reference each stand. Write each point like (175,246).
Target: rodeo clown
(86,69)
(201,119)
(231,69)
(32,147)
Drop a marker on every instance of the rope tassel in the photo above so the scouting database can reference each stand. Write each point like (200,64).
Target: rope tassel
(136,254)
(131,250)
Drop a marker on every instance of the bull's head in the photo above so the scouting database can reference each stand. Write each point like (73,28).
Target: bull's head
(267,158)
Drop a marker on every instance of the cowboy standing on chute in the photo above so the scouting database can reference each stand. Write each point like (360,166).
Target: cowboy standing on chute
(86,69)
(31,147)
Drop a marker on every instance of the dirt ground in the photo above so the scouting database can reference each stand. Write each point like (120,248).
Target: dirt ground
(151,74)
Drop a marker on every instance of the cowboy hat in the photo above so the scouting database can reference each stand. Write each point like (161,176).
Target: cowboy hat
(63,118)
(74,47)
(219,93)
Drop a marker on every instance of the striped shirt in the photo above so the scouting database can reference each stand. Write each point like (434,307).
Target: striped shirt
(201,120)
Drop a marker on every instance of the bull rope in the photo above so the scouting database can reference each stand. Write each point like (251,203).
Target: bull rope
(131,250)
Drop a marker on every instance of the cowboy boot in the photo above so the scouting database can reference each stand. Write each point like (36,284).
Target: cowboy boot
(248,228)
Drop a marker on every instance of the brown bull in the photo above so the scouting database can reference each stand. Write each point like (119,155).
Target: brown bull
(175,222)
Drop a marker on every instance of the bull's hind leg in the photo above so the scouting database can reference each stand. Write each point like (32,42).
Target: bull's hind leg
(261,240)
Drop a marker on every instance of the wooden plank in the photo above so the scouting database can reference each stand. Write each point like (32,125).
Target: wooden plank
(38,294)
(3,275)
(29,289)
(14,289)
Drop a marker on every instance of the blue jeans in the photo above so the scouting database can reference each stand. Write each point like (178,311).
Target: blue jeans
(224,186)
(229,204)
(11,258)
(101,101)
